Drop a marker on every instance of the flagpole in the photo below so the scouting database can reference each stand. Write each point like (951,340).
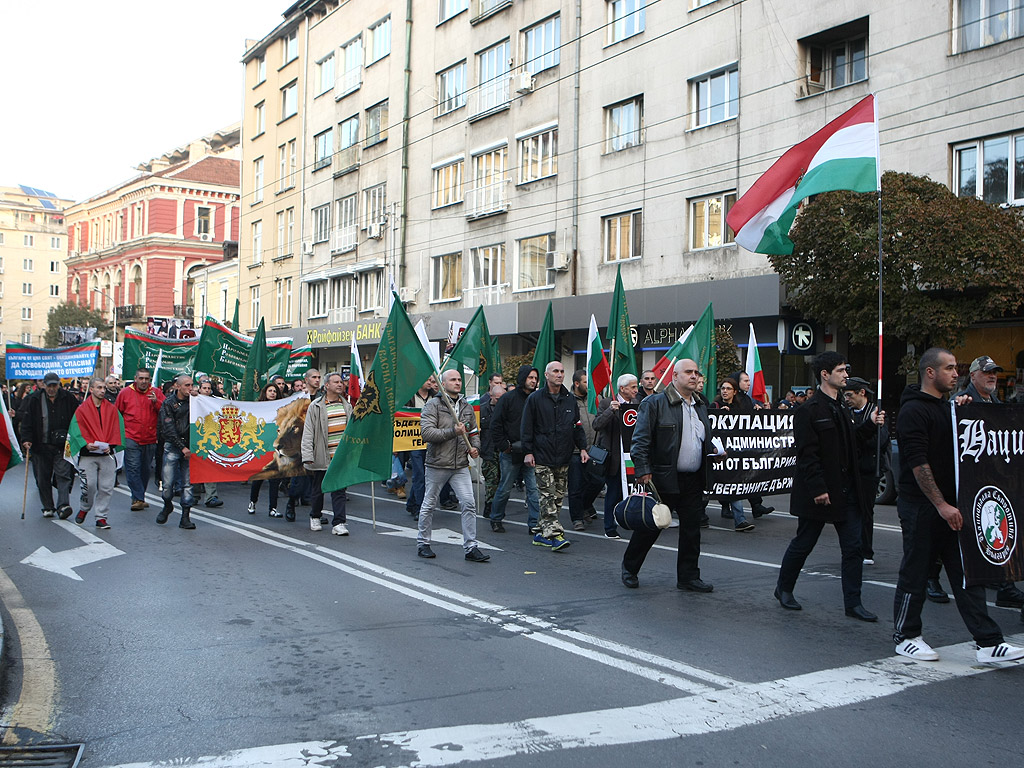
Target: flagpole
(878,402)
(24,493)
(373,504)
(611,372)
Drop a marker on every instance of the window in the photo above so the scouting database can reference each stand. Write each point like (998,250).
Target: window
(54,267)
(26,289)
(371,290)
(289,100)
(449,8)
(260,119)
(321,223)
(343,291)
(716,97)
(446,277)
(138,221)
(448,184)
(625,19)
(284,180)
(290,47)
(992,169)
(538,156)
(377,123)
(26,314)
(375,204)
(325,74)
(348,146)
(541,45)
(257,180)
(489,193)
(257,242)
(55,243)
(203,220)
(283,302)
(293,163)
(28,240)
(282,238)
(224,302)
(493,65)
(624,124)
(28,265)
(261,69)
(54,291)
(289,230)
(347,227)
(987,22)
(837,57)
(707,221)
(254,307)
(1,238)
(623,236)
(323,149)
(531,270)
(451,88)
(380,40)
(488,273)
(352,56)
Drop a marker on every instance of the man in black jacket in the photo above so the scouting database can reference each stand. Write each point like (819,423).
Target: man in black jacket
(43,421)
(858,395)
(506,423)
(671,442)
(173,430)
(826,487)
(551,427)
(490,469)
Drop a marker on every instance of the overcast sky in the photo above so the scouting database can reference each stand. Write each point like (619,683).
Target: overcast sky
(92,89)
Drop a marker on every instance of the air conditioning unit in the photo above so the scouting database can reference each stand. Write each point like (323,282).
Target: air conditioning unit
(380,312)
(407,295)
(522,82)
(342,315)
(307,248)
(558,261)
(204,237)
(375,231)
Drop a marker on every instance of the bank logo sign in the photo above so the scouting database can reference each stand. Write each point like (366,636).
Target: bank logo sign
(995,526)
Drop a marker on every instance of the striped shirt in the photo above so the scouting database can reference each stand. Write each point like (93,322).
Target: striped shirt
(336,419)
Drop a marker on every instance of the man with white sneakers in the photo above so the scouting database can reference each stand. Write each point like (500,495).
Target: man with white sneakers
(321,435)
(929,517)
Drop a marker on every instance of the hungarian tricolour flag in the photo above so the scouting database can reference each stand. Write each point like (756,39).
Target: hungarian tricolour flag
(842,155)
(598,371)
(10,451)
(758,391)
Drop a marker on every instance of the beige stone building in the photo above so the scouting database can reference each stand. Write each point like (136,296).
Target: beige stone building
(512,152)
(33,246)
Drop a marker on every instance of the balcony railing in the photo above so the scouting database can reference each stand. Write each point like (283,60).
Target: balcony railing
(490,96)
(184,310)
(485,295)
(344,239)
(487,200)
(348,158)
(347,82)
(131,312)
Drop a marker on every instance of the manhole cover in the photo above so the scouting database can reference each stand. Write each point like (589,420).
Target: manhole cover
(43,756)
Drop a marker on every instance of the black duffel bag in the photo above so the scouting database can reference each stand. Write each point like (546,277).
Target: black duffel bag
(639,512)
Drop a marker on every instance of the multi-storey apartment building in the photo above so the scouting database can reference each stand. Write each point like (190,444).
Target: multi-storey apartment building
(32,250)
(132,249)
(512,152)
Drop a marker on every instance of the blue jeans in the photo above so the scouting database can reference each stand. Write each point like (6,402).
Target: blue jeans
(612,496)
(138,463)
(415,488)
(511,471)
(397,479)
(176,466)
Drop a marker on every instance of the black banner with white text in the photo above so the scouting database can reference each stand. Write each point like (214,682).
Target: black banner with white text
(760,455)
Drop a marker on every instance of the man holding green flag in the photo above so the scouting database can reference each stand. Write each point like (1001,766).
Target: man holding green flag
(620,335)
(477,351)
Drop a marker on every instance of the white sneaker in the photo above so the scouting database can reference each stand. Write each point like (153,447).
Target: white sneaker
(340,530)
(314,524)
(917,648)
(252,507)
(868,561)
(1001,652)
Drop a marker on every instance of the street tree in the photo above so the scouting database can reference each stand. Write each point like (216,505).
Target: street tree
(728,354)
(70,314)
(948,262)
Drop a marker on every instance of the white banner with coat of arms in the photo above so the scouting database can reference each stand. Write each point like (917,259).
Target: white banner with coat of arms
(234,440)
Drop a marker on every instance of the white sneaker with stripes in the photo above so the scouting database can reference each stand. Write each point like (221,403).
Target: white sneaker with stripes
(917,648)
(998,653)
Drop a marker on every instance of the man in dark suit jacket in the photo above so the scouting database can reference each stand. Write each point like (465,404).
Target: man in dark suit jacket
(826,487)
(671,442)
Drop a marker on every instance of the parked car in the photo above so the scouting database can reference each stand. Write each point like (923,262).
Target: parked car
(887,482)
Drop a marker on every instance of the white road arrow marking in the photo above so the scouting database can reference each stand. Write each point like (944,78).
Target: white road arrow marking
(65,562)
(437,536)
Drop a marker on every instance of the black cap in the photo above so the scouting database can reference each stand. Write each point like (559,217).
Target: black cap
(856,382)
(51,378)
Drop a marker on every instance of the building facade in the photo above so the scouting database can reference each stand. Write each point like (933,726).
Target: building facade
(32,250)
(132,249)
(514,152)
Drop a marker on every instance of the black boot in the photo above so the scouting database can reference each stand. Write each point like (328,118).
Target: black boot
(487,510)
(186,521)
(289,511)
(164,513)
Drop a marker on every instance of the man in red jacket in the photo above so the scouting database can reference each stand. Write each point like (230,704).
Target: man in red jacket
(139,404)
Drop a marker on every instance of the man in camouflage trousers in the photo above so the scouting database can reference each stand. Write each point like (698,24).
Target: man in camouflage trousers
(490,467)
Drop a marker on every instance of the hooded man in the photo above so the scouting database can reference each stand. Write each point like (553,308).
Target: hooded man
(507,421)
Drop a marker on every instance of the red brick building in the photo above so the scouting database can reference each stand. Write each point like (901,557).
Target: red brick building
(135,246)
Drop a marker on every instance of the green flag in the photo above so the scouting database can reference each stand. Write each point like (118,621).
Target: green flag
(255,365)
(145,350)
(225,353)
(476,350)
(398,370)
(620,335)
(545,352)
(234,320)
(698,344)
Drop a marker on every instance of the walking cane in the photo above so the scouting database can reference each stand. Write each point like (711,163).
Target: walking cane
(24,495)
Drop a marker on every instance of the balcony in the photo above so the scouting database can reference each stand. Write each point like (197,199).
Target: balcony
(484,8)
(131,312)
(344,239)
(487,199)
(348,160)
(184,311)
(347,82)
(491,96)
(485,295)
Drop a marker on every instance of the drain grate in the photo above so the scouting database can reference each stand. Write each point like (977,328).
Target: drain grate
(42,756)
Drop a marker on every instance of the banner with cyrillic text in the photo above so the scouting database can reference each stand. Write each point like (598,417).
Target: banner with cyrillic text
(760,455)
(27,362)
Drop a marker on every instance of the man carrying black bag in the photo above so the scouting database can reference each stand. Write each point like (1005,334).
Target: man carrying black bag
(671,442)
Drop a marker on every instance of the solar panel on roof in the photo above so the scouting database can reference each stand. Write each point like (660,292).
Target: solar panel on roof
(35,191)
(47,204)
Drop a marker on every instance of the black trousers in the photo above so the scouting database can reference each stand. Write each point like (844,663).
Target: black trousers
(807,533)
(688,504)
(926,536)
(51,471)
(338,499)
(869,486)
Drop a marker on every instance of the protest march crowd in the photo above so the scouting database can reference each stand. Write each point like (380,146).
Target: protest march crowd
(647,446)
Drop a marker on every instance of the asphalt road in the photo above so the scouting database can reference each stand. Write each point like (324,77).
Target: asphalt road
(253,641)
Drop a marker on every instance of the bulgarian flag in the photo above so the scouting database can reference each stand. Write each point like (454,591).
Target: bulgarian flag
(599,374)
(355,372)
(758,392)
(10,451)
(842,155)
(76,439)
(675,353)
